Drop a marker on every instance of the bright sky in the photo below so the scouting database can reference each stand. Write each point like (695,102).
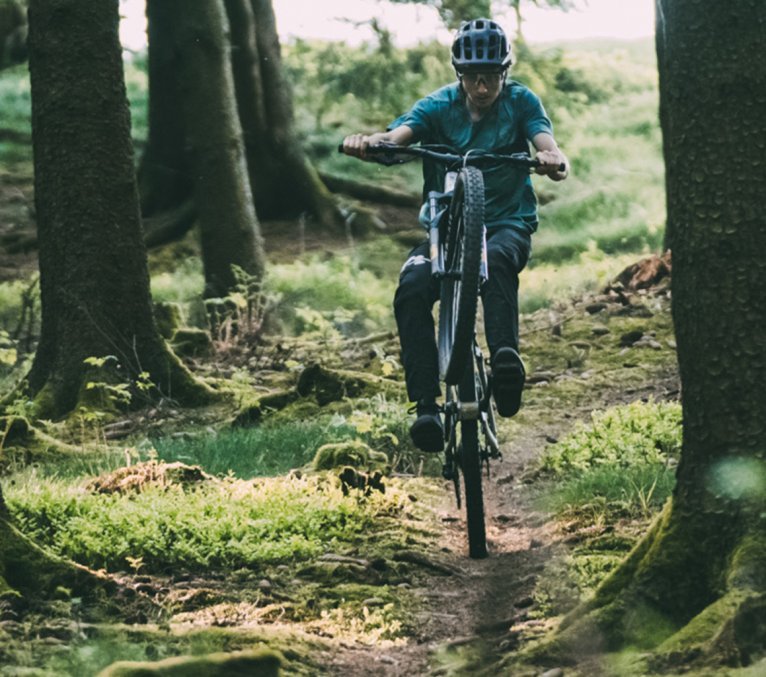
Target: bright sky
(334,19)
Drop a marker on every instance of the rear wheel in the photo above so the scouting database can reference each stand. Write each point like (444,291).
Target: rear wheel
(470,462)
(460,286)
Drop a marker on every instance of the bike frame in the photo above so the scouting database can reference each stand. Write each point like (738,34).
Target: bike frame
(469,401)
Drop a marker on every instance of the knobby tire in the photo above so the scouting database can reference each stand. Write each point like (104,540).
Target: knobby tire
(459,296)
(470,462)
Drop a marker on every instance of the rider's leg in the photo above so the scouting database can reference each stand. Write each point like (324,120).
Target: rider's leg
(507,254)
(413,303)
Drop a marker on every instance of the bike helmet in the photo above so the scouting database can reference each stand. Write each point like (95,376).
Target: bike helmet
(480,45)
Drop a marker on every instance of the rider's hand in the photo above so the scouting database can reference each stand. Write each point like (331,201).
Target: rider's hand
(550,163)
(356,144)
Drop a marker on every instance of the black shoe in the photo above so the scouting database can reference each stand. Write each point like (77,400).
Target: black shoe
(507,381)
(427,432)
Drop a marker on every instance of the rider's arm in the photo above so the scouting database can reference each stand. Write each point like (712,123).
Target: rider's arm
(356,144)
(550,157)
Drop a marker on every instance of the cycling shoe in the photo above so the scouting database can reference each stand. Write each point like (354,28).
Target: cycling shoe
(427,432)
(508,377)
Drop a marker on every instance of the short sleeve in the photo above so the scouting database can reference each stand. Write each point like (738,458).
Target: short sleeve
(419,119)
(535,119)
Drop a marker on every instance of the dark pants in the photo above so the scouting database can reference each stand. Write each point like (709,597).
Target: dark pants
(507,254)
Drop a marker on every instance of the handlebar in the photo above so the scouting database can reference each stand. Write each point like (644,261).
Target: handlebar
(390,154)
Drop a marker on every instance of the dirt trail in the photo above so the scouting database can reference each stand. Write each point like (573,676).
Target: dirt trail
(471,613)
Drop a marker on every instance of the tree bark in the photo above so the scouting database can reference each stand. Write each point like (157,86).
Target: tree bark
(94,282)
(696,585)
(13,33)
(284,183)
(198,33)
(164,177)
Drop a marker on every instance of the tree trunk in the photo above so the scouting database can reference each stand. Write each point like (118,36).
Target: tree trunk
(696,584)
(164,178)
(13,33)
(94,282)
(284,183)
(213,142)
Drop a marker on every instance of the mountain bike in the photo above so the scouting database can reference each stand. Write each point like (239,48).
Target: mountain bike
(458,253)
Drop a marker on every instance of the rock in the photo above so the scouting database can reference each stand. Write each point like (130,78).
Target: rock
(354,453)
(192,342)
(593,308)
(600,330)
(373,601)
(550,439)
(524,602)
(265,585)
(262,662)
(343,559)
(646,273)
(631,337)
(541,377)
(350,478)
(535,543)
(555,672)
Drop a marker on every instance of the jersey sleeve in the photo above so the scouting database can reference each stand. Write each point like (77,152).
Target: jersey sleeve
(419,119)
(535,119)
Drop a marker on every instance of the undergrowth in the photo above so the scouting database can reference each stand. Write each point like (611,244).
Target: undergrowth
(221,524)
(604,482)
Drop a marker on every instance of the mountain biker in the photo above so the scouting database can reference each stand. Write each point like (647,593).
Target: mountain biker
(482,110)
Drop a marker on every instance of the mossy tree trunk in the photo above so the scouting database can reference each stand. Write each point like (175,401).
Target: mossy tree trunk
(13,33)
(195,93)
(696,585)
(94,280)
(164,177)
(228,223)
(284,183)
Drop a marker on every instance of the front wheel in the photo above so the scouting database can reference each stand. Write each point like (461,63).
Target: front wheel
(470,462)
(462,264)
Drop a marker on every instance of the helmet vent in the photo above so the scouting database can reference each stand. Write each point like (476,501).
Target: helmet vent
(481,44)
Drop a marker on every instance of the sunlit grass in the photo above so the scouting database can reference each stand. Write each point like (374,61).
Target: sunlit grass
(219,524)
(540,285)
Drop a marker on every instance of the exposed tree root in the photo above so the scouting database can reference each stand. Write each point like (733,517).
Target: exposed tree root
(677,598)
(263,663)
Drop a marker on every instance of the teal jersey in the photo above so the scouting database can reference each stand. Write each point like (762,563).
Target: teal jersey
(514,119)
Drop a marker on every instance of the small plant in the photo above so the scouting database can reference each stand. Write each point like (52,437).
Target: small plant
(633,434)
(238,318)
(620,464)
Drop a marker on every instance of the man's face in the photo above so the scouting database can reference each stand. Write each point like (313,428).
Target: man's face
(482,87)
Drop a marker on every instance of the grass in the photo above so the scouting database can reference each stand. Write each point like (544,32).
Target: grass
(254,452)
(221,524)
(633,435)
(635,491)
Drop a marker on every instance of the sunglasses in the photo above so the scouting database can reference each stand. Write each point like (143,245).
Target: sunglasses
(489,79)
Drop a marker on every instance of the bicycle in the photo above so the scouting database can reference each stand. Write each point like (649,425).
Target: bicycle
(458,252)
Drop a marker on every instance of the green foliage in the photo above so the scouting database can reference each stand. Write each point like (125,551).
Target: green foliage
(622,463)
(635,434)
(635,491)
(354,453)
(222,524)
(16,104)
(327,297)
(249,452)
